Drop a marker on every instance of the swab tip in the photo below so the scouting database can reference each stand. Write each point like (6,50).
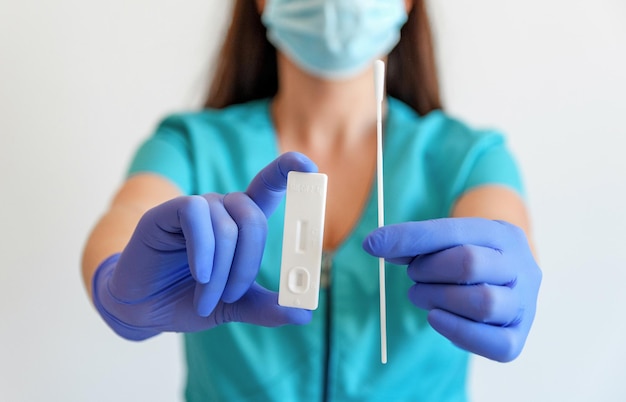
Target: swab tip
(379,79)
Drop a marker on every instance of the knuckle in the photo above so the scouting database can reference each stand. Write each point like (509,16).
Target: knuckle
(253,226)
(227,230)
(469,263)
(511,347)
(417,296)
(487,303)
(513,232)
(247,212)
(191,205)
(226,313)
(212,198)
(517,233)
(187,208)
(537,275)
(256,219)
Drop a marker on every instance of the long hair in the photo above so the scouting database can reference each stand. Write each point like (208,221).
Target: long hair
(247,70)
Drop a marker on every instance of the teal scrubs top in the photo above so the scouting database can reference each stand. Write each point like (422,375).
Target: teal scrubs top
(429,161)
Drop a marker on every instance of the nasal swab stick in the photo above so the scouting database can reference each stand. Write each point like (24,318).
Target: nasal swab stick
(379,82)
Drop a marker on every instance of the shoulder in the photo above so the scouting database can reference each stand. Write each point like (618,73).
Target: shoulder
(234,118)
(198,150)
(439,131)
(230,133)
(450,156)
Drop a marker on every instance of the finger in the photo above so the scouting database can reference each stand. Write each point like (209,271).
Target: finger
(195,221)
(268,186)
(252,232)
(502,344)
(181,225)
(467,264)
(259,306)
(226,232)
(400,260)
(409,239)
(495,305)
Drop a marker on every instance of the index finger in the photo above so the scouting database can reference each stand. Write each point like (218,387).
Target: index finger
(404,241)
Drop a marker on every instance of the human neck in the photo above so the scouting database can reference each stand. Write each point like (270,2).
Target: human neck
(317,113)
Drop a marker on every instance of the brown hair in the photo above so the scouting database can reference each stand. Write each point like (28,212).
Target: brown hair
(246,68)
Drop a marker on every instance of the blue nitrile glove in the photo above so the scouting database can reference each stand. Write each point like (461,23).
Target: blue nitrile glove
(191,263)
(477,278)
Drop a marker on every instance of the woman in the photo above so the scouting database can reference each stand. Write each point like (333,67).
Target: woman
(183,249)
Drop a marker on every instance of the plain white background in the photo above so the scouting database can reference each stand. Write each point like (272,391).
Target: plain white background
(82,82)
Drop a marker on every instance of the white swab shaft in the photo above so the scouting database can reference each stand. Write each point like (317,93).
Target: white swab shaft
(379,78)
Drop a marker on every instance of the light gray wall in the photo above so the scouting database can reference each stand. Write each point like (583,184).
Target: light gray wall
(83,82)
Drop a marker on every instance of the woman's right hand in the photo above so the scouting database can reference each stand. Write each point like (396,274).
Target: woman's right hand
(192,262)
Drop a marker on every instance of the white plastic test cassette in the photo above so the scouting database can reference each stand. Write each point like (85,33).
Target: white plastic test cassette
(302,240)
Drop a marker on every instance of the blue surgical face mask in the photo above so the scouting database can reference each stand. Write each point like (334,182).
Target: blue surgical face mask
(334,39)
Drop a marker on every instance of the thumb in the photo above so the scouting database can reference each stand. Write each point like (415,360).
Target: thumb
(259,306)
(269,185)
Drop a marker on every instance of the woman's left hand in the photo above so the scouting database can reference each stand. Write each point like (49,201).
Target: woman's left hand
(476,277)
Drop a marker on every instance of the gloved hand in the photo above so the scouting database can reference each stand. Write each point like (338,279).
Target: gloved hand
(477,278)
(191,263)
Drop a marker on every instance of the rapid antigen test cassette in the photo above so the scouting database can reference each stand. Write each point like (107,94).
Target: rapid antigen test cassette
(303,236)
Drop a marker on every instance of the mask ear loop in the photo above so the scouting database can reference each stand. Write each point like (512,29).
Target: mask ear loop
(379,84)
